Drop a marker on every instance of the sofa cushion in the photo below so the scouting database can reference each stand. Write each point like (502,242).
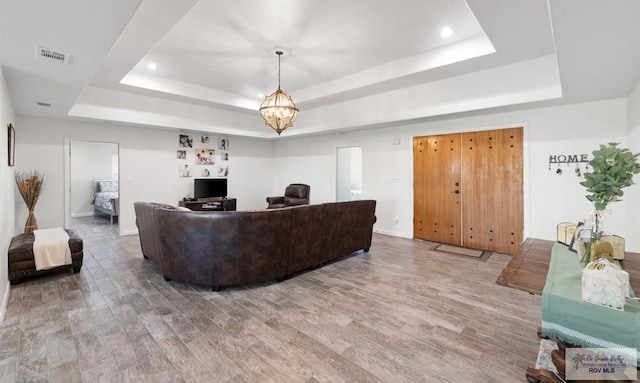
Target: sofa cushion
(353,217)
(305,237)
(289,201)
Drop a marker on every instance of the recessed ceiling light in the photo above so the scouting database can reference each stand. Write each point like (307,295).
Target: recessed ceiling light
(260,95)
(152,66)
(446,32)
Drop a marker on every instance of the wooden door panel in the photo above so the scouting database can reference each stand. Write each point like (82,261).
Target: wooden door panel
(491,181)
(436,173)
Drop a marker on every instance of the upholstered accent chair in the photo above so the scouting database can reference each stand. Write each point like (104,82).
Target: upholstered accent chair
(294,194)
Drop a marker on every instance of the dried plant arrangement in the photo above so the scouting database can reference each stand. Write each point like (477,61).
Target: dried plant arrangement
(30,185)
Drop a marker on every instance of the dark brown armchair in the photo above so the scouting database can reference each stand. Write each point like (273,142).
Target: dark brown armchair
(294,194)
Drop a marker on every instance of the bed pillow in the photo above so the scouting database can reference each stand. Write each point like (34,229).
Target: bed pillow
(108,186)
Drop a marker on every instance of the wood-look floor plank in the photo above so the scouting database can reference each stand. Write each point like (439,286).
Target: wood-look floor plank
(34,371)
(61,348)
(66,373)
(91,354)
(400,313)
(8,369)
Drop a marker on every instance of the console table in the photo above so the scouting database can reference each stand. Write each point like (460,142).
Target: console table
(214,204)
(566,318)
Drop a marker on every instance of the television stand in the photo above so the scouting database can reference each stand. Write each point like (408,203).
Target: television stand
(210,204)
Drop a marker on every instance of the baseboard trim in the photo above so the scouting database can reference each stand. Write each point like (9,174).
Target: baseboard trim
(5,302)
(81,215)
(393,233)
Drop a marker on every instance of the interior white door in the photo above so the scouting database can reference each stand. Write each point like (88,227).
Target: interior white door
(87,161)
(349,173)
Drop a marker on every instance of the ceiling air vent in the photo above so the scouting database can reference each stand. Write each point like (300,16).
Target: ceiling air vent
(52,55)
(44,104)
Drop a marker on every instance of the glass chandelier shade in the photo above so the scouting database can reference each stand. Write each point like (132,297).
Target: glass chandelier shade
(278,109)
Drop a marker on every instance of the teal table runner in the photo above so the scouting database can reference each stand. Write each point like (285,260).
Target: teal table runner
(566,316)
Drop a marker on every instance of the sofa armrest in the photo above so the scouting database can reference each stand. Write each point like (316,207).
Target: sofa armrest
(275,200)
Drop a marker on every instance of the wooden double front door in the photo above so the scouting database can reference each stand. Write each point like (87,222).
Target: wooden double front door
(468,189)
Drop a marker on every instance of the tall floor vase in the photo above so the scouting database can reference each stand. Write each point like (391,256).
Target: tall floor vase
(32,224)
(30,185)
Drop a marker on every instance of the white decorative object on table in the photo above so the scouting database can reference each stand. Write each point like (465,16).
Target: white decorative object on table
(605,283)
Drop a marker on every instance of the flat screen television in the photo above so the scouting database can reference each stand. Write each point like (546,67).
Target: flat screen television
(204,188)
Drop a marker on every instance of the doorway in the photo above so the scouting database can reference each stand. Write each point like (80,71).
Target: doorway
(87,164)
(468,189)
(349,174)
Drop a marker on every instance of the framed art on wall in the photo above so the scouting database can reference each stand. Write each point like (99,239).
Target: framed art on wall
(11,139)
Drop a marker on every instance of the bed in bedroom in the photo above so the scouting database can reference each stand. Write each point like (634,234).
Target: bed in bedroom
(106,198)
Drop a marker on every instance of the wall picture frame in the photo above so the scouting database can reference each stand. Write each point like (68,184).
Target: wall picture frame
(11,140)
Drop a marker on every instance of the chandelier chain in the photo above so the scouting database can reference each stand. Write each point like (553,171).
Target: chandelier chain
(279,53)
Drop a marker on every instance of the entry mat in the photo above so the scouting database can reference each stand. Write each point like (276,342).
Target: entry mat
(460,250)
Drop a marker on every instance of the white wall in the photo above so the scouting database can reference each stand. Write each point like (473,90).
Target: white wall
(89,161)
(148,167)
(633,195)
(388,168)
(259,168)
(7,199)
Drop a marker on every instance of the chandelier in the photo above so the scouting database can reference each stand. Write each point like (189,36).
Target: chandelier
(278,110)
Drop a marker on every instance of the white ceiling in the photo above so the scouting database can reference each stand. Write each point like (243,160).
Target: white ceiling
(347,65)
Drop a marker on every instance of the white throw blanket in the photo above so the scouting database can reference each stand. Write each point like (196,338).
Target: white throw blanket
(51,248)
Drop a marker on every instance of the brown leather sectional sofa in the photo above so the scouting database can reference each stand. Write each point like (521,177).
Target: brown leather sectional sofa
(228,248)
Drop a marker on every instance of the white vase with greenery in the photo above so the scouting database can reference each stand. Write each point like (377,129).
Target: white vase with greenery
(613,170)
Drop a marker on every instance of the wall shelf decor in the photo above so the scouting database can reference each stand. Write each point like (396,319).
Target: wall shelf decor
(559,162)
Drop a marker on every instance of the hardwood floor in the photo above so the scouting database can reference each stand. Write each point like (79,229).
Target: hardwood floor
(400,313)
(527,269)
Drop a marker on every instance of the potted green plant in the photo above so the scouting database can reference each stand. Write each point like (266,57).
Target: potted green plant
(613,170)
